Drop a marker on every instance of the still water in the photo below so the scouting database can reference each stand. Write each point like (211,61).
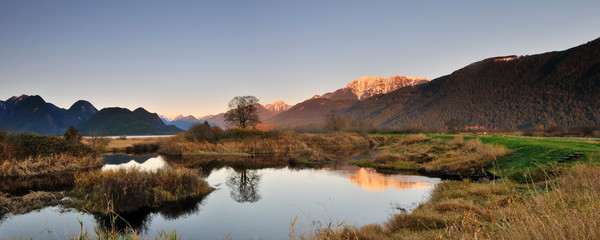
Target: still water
(248,203)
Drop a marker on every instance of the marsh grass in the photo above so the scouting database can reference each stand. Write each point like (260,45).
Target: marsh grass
(33,154)
(298,148)
(29,202)
(436,156)
(40,165)
(562,207)
(130,189)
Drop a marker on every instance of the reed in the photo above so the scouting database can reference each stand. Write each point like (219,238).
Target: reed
(564,207)
(63,162)
(296,147)
(436,156)
(127,190)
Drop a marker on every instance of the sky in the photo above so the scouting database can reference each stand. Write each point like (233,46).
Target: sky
(192,57)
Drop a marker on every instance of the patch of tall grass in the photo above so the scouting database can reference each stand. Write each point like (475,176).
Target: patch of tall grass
(40,165)
(32,154)
(295,146)
(130,189)
(443,157)
(563,207)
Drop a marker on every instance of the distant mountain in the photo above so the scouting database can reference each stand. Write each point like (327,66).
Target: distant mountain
(554,88)
(313,111)
(171,117)
(122,121)
(264,112)
(32,114)
(181,122)
(366,87)
(78,112)
(277,107)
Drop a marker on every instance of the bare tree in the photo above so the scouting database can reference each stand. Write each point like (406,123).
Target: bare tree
(242,112)
(244,186)
(334,122)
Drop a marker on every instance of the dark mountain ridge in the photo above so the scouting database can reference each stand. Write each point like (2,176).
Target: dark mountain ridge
(122,121)
(32,114)
(554,88)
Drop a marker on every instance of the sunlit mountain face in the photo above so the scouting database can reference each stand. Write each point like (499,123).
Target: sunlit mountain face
(371,180)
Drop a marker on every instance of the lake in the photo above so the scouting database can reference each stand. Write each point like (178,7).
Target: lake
(248,203)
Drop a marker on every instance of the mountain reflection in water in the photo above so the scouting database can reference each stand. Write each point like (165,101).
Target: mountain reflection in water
(145,163)
(371,180)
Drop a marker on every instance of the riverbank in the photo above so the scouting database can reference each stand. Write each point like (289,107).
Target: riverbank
(296,148)
(447,158)
(561,198)
(32,154)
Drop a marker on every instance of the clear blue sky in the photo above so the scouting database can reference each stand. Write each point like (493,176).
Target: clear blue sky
(192,57)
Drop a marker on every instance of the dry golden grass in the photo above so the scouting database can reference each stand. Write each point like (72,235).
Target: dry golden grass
(564,208)
(126,190)
(116,144)
(29,202)
(436,156)
(48,164)
(297,147)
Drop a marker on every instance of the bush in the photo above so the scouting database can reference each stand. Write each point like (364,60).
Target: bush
(202,132)
(21,146)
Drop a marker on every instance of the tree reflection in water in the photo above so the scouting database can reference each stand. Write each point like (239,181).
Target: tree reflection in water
(244,186)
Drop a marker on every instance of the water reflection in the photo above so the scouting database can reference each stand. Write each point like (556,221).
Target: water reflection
(278,192)
(208,164)
(141,220)
(24,184)
(145,163)
(243,185)
(371,180)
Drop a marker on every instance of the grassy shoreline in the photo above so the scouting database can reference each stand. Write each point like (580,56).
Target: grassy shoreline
(562,197)
(295,147)
(454,159)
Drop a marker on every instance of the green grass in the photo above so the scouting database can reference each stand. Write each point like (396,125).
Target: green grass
(532,153)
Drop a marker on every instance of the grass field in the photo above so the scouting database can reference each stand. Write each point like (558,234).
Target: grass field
(531,155)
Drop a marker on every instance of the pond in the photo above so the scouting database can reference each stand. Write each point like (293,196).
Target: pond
(248,203)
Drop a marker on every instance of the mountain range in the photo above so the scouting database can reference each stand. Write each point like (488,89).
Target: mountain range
(32,114)
(122,121)
(498,93)
(313,110)
(503,93)
(264,112)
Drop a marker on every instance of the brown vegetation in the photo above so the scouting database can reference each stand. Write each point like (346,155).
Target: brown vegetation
(562,208)
(31,166)
(120,145)
(127,190)
(32,154)
(440,157)
(29,202)
(295,147)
